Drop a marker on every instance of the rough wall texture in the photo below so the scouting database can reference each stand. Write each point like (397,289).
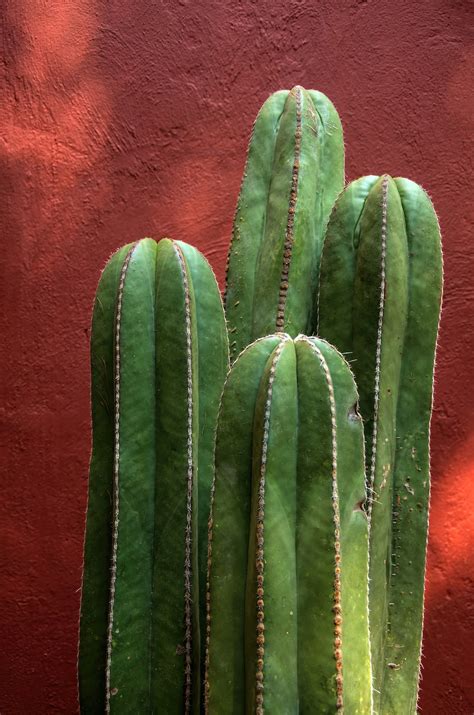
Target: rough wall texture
(125,119)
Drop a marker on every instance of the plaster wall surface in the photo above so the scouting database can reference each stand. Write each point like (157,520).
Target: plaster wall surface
(129,119)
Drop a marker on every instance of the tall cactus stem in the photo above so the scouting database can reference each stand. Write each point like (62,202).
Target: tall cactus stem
(159,357)
(379,301)
(287,547)
(210,534)
(188,571)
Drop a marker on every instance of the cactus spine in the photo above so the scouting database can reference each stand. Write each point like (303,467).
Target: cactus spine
(159,357)
(379,303)
(293,174)
(287,578)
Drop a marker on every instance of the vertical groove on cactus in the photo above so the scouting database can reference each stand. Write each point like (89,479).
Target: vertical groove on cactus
(188,572)
(289,235)
(337,608)
(115,496)
(260,538)
(208,603)
(378,348)
(208,591)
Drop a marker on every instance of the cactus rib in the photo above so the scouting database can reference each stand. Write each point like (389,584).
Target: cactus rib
(115,496)
(337,534)
(210,533)
(290,223)
(378,348)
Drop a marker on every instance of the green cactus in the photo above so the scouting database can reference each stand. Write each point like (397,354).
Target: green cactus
(310,543)
(159,358)
(288,540)
(379,302)
(293,174)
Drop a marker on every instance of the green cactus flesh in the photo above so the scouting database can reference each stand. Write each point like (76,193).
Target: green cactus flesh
(288,540)
(379,302)
(159,357)
(293,174)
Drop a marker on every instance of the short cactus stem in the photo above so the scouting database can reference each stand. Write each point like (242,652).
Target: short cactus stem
(289,468)
(379,303)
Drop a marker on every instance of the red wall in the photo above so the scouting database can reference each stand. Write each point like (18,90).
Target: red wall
(128,119)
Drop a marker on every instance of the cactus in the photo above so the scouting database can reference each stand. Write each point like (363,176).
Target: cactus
(379,303)
(159,357)
(293,174)
(287,570)
(312,543)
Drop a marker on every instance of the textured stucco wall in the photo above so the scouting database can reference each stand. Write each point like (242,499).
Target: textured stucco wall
(125,119)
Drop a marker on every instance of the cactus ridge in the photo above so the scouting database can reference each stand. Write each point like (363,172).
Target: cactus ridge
(337,607)
(275,101)
(210,536)
(290,224)
(116,491)
(188,571)
(260,538)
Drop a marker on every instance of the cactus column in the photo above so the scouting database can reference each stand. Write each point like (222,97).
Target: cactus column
(379,303)
(159,357)
(293,174)
(288,611)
